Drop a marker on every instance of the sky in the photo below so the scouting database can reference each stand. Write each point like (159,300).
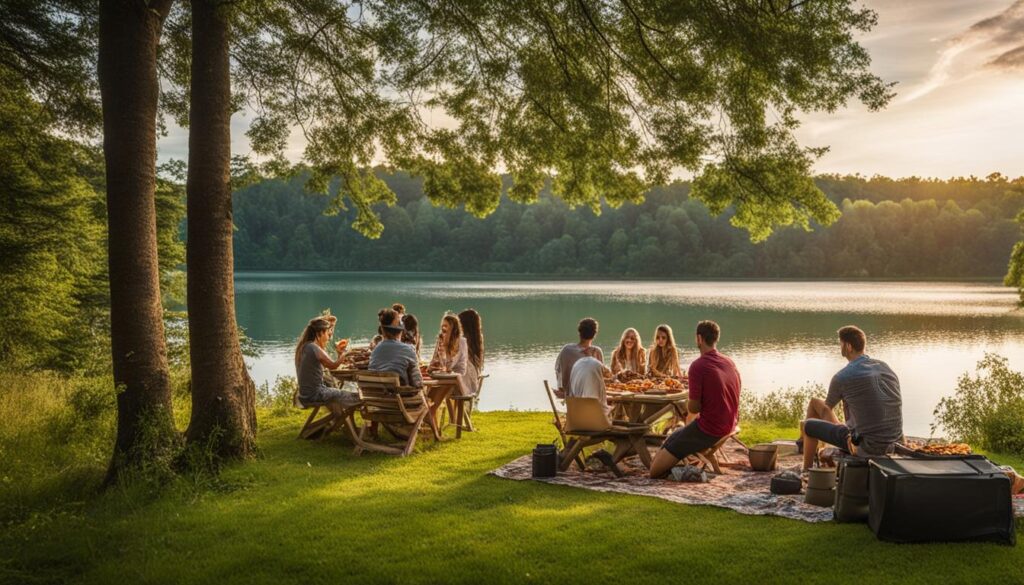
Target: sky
(958,66)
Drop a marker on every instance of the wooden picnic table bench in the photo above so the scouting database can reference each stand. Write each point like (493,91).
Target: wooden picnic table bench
(648,407)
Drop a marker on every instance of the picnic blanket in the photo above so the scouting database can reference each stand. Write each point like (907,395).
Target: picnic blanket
(739,487)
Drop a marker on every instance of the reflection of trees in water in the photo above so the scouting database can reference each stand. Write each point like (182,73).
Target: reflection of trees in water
(524,314)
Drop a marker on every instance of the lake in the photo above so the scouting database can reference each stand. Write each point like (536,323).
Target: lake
(781,334)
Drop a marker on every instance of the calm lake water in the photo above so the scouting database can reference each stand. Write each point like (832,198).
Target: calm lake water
(781,334)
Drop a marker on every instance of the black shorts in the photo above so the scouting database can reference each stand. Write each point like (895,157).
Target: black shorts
(688,440)
(831,433)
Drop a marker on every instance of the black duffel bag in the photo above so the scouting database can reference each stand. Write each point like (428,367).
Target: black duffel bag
(940,500)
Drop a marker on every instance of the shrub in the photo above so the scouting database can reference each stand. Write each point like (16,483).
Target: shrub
(986,409)
(785,407)
(278,397)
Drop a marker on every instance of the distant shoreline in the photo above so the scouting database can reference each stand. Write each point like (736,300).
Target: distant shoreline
(994,280)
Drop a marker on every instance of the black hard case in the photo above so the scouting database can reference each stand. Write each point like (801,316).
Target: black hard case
(940,500)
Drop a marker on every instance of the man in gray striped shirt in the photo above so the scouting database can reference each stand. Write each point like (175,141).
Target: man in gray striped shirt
(870,393)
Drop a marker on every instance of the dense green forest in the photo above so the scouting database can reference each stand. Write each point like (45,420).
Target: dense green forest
(889,228)
(54,294)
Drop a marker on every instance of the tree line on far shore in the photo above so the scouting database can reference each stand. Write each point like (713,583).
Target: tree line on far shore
(889,228)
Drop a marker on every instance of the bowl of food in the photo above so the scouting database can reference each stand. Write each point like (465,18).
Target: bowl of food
(763,457)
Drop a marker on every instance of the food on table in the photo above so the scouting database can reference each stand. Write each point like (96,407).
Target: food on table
(357,358)
(628,376)
(943,449)
(641,385)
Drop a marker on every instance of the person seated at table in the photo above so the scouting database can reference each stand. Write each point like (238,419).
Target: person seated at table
(714,398)
(663,357)
(398,308)
(411,335)
(629,356)
(870,393)
(473,333)
(451,355)
(391,355)
(573,352)
(310,360)
(587,380)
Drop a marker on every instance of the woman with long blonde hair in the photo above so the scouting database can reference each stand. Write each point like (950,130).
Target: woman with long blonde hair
(629,356)
(451,354)
(663,357)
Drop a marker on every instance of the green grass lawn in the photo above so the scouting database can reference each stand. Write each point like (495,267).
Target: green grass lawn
(311,512)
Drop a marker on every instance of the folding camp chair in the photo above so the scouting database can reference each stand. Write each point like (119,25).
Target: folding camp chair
(709,457)
(587,424)
(393,406)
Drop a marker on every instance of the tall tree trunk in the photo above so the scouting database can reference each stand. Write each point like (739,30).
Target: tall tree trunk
(128,37)
(223,394)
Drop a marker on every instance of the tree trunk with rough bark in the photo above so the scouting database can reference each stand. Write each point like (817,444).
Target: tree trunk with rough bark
(223,394)
(129,33)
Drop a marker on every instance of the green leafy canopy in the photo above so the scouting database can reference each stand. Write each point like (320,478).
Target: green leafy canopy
(603,99)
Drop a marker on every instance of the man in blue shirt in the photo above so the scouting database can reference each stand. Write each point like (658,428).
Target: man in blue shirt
(870,393)
(391,355)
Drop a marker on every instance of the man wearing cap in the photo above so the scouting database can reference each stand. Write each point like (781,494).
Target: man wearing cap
(391,355)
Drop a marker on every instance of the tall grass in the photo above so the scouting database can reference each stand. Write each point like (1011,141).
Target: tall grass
(56,434)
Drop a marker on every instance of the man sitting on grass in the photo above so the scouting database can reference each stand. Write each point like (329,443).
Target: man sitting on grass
(714,396)
(572,352)
(391,355)
(870,393)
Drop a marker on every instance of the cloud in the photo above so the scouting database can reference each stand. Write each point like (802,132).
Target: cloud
(1012,59)
(995,42)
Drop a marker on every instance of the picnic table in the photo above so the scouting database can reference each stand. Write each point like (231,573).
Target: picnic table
(345,374)
(439,386)
(647,407)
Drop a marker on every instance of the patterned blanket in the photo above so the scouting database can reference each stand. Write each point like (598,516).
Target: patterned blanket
(739,487)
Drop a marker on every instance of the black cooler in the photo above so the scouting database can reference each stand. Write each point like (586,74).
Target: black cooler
(942,499)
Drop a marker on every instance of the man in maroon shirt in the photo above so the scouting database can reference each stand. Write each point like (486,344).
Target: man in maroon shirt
(714,396)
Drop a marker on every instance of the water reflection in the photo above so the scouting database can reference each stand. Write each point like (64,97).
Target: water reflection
(780,333)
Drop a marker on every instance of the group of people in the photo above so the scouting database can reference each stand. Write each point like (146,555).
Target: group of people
(867,388)
(661,360)
(714,383)
(396,348)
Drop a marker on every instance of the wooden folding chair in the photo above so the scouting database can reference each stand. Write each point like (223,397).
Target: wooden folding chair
(559,422)
(327,424)
(389,404)
(460,408)
(709,457)
(587,424)
(314,427)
